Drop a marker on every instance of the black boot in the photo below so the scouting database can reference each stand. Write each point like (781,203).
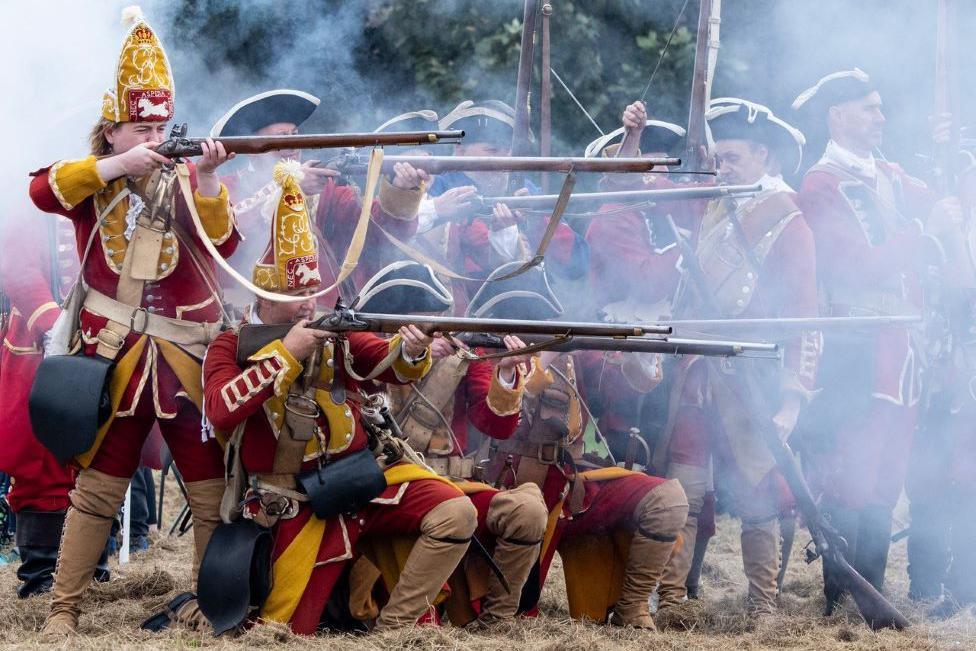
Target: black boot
(38,536)
(873,541)
(845,521)
(693,582)
(928,549)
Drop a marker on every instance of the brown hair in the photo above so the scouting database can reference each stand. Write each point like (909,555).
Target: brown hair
(100,146)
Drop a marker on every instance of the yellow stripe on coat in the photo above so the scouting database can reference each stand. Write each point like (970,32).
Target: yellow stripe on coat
(606,474)
(402,473)
(293,569)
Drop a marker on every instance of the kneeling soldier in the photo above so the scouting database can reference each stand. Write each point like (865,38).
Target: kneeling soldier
(613,528)
(435,414)
(294,408)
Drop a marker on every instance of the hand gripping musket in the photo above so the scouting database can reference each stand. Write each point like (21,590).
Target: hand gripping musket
(179,146)
(351,163)
(251,337)
(639,197)
(828,544)
(664,346)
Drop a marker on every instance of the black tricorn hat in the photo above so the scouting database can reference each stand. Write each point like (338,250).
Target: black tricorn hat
(731,118)
(270,107)
(833,89)
(404,287)
(526,296)
(489,121)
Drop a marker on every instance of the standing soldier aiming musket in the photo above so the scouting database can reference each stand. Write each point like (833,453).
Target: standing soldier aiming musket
(152,306)
(757,259)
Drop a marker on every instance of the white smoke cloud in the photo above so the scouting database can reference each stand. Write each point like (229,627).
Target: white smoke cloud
(60,57)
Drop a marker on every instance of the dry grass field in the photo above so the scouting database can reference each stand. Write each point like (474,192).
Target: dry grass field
(111,618)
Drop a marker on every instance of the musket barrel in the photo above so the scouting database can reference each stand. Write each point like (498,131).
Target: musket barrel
(441,164)
(392,322)
(253,337)
(180,147)
(548,201)
(668,346)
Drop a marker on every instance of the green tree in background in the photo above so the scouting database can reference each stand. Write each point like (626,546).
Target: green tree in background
(369,58)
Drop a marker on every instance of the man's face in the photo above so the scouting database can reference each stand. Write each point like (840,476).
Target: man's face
(273,312)
(127,135)
(279,129)
(489,183)
(740,161)
(859,122)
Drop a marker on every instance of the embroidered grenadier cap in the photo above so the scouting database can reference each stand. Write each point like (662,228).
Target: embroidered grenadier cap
(290,264)
(526,296)
(405,287)
(731,118)
(833,89)
(270,107)
(489,121)
(143,88)
(422,120)
(657,136)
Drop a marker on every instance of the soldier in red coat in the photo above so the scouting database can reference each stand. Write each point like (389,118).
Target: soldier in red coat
(613,528)
(152,305)
(38,268)
(633,242)
(461,395)
(473,244)
(335,204)
(265,403)
(757,261)
(865,215)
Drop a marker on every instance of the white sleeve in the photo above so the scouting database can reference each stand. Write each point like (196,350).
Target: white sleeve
(426,214)
(505,242)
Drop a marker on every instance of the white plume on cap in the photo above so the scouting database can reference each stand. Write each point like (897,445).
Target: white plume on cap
(131,15)
(286,169)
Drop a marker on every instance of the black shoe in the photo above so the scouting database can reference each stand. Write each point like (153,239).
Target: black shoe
(161,620)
